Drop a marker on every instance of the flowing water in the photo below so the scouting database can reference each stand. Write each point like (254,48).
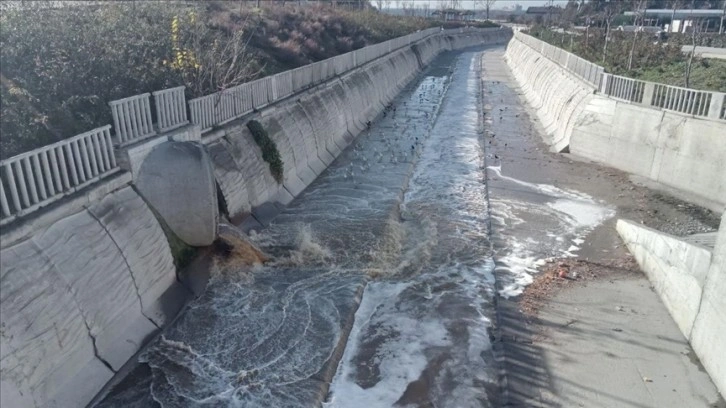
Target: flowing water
(391,244)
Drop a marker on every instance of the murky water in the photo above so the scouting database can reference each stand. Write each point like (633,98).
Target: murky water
(390,244)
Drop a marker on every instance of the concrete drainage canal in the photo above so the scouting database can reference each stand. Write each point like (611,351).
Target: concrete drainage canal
(381,288)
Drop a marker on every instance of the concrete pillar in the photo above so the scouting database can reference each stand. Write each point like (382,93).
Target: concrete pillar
(717,102)
(648,90)
(604,83)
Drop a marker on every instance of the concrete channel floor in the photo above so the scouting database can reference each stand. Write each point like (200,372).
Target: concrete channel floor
(607,342)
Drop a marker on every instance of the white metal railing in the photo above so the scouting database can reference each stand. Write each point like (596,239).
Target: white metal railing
(706,104)
(171,108)
(620,87)
(36,178)
(132,118)
(684,100)
(213,110)
(586,70)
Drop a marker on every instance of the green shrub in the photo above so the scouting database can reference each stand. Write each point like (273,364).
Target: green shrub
(270,154)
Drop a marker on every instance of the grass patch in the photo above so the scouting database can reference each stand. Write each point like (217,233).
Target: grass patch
(270,154)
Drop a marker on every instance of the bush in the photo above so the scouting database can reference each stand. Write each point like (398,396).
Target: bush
(270,154)
(61,66)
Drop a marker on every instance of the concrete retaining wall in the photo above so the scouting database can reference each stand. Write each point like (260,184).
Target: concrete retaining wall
(79,298)
(708,337)
(312,128)
(691,282)
(85,285)
(680,151)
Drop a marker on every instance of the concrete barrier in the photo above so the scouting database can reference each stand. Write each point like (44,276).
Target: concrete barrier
(79,298)
(691,281)
(677,269)
(677,150)
(313,127)
(177,180)
(708,337)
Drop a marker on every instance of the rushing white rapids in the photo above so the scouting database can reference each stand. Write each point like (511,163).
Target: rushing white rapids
(421,336)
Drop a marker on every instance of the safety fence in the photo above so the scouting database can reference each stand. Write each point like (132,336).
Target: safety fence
(705,104)
(586,70)
(41,176)
(221,107)
(36,178)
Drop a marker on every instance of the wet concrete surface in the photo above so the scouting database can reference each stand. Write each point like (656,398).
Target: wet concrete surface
(581,350)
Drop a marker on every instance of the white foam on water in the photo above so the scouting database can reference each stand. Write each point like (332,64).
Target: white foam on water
(583,213)
(401,360)
(569,215)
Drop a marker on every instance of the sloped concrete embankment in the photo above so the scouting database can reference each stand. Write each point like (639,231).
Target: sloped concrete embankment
(80,296)
(86,283)
(691,281)
(311,129)
(676,150)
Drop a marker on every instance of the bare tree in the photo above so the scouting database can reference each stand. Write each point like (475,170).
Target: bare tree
(379,4)
(486,4)
(425,8)
(610,11)
(443,6)
(408,8)
(639,7)
(212,61)
(455,4)
(694,34)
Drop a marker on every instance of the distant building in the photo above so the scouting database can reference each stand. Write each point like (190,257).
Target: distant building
(454,15)
(683,20)
(549,13)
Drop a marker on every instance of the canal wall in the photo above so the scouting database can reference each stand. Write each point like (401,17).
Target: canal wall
(621,127)
(691,281)
(87,280)
(311,129)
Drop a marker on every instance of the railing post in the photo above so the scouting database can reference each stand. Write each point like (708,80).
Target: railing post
(273,83)
(717,105)
(604,83)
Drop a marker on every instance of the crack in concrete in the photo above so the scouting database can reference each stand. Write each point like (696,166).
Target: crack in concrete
(78,305)
(133,278)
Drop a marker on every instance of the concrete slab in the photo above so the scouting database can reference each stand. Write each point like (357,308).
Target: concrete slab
(605,357)
(572,356)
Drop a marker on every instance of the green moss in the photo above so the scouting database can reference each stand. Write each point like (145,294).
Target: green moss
(270,154)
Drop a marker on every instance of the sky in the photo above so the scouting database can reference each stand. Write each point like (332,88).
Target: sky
(469,4)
